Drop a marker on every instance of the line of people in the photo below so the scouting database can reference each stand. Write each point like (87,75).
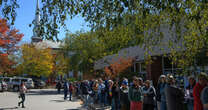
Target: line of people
(139,95)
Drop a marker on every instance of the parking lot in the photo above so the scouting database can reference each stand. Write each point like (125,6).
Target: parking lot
(38,99)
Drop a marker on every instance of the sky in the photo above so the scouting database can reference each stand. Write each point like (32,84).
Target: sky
(26,13)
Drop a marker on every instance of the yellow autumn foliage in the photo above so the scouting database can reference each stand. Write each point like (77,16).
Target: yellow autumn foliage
(36,62)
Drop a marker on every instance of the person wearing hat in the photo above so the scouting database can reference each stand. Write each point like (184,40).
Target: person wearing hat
(174,95)
(200,85)
(125,104)
(204,97)
(160,97)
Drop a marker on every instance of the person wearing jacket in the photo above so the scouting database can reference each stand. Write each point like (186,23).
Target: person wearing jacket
(189,93)
(70,90)
(116,96)
(101,92)
(125,104)
(135,95)
(158,95)
(197,91)
(22,92)
(58,87)
(174,95)
(111,83)
(204,97)
(66,89)
(149,96)
(162,85)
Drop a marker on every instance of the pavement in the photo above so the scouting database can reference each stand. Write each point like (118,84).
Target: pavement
(39,99)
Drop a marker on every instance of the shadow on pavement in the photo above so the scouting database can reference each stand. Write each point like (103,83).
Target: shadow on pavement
(58,101)
(79,108)
(62,100)
(42,92)
(9,108)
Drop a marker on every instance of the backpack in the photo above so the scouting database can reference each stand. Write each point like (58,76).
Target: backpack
(70,87)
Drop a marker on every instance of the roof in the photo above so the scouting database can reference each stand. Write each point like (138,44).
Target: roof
(47,44)
(138,52)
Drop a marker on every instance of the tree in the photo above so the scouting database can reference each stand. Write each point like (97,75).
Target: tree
(118,67)
(61,64)
(82,49)
(9,39)
(35,62)
(187,18)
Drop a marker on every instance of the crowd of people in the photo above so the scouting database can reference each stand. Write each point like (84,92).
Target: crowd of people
(142,95)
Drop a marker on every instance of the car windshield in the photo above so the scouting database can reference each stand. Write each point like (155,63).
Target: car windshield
(6,79)
(16,80)
(24,80)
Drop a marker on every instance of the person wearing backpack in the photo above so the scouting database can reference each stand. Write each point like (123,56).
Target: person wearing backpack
(86,92)
(70,91)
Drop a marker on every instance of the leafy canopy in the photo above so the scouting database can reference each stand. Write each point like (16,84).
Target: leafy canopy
(9,39)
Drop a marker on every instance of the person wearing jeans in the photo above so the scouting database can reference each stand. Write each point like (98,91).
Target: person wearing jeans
(189,93)
(23,90)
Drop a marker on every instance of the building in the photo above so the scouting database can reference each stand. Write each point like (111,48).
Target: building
(36,39)
(161,63)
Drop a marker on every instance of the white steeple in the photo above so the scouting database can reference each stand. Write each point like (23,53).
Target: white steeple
(37,14)
(36,30)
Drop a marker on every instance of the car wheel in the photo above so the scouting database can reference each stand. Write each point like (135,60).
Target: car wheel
(16,88)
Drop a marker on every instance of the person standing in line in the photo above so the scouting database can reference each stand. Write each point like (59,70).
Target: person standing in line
(158,95)
(200,85)
(174,95)
(189,93)
(101,92)
(70,91)
(22,92)
(149,96)
(162,86)
(58,86)
(125,104)
(135,95)
(116,96)
(204,97)
(95,90)
(66,89)
(110,92)
(86,93)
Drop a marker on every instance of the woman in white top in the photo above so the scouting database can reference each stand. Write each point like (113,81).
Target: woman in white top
(22,92)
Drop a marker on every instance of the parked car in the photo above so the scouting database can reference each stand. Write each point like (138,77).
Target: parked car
(8,81)
(17,81)
(39,83)
(3,86)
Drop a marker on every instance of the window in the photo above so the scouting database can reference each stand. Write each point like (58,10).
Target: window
(15,80)
(137,66)
(143,67)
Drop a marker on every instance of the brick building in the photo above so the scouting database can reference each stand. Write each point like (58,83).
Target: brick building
(161,63)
